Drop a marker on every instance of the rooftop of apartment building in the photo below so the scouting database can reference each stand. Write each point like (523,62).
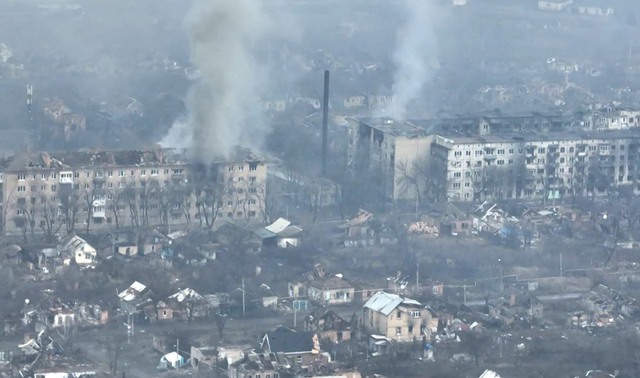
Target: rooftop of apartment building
(540,137)
(408,129)
(415,128)
(108,158)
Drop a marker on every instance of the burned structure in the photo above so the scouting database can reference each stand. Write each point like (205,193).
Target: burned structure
(60,193)
(473,158)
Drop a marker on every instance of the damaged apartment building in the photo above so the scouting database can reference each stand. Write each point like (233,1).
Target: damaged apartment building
(58,193)
(537,166)
(472,159)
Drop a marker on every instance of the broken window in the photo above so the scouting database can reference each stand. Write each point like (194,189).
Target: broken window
(253,166)
(22,177)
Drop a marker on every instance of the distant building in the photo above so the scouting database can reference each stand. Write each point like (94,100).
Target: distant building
(554,6)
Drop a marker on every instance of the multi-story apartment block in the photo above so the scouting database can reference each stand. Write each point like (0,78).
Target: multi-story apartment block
(392,153)
(57,193)
(534,165)
(533,156)
(383,150)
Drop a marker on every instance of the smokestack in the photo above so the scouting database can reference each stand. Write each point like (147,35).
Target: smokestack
(325,124)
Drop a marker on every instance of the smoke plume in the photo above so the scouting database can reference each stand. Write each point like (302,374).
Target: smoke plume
(223,110)
(415,57)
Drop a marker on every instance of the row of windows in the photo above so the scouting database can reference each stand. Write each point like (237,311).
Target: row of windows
(252,167)
(274,375)
(45,212)
(22,188)
(540,150)
(410,330)
(241,179)
(121,173)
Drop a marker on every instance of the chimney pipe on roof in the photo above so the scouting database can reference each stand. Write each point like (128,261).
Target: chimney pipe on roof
(325,124)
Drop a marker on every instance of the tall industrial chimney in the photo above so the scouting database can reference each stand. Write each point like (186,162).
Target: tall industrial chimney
(325,124)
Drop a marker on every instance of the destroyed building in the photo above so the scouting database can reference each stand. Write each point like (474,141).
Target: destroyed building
(468,159)
(58,193)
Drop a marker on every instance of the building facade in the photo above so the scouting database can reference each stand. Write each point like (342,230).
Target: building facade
(381,151)
(329,291)
(58,193)
(398,318)
(537,166)
(395,155)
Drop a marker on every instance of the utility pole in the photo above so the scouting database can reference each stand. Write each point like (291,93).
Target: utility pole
(178,346)
(501,274)
(561,269)
(417,276)
(244,310)
(464,294)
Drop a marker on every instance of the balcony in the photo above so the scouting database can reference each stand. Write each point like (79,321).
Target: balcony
(66,177)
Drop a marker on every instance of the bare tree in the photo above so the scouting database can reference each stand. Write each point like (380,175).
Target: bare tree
(144,195)
(114,350)
(92,191)
(131,198)
(116,198)
(51,218)
(425,177)
(25,209)
(5,209)
(69,206)
(163,195)
(68,330)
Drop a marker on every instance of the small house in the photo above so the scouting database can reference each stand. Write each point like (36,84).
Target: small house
(328,325)
(301,348)
(398,318)
(331,290)
(75,248)
(281,233)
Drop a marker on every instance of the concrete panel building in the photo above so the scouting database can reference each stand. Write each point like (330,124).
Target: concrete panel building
(536,165)
(58,193)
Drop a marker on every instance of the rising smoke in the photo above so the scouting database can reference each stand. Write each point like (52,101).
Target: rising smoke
(415,57)
(223,110)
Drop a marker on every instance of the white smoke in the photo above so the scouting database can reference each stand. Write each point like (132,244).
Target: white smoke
(223,109)
(415,57)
